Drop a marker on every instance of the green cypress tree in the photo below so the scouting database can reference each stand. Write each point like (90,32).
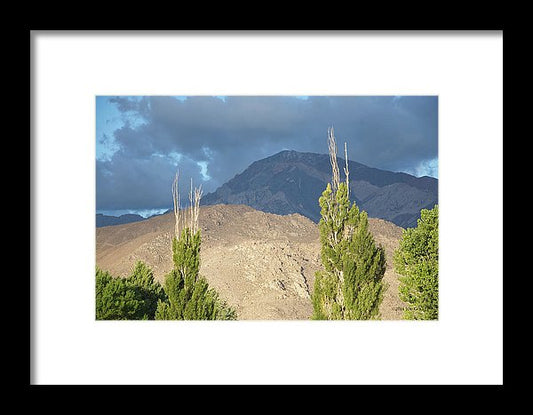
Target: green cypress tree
(417,261)
(188,296)
(350,285)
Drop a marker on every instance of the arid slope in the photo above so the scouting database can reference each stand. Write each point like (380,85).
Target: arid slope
(261,263)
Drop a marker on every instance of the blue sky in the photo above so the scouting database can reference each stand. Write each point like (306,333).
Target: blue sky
(142,141)
(108,119)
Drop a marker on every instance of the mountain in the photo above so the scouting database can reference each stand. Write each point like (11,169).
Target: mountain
(262,264)
(292,182)
(105,220)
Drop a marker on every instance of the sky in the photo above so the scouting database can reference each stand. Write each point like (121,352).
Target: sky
(141,141)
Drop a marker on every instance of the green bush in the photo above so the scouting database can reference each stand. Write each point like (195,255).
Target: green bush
(132,298)
(151,291)
(417,261)
(116,299)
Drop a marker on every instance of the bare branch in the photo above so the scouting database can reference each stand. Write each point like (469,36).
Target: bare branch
(191,227)
(188,219)
(196,208)
(332,147)
(176,200)
(346,171)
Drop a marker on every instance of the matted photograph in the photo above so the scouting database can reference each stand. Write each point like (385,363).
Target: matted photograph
(266,208)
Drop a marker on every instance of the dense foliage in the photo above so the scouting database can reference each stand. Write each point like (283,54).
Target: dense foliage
(417,261)
(188,296)
(350,285)
(132,298)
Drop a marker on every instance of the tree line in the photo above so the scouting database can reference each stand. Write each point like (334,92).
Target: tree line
(349,287)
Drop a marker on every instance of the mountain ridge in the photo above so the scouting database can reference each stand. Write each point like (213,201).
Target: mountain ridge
(292,182)
(108,220)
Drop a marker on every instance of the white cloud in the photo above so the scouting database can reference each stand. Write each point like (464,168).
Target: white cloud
(425,168)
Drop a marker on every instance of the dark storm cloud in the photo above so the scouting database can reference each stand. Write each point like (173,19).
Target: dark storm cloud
(139,183)
(393,133)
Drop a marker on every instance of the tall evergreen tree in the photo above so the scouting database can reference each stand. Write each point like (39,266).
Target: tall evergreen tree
(350,285)
(189,296)
(417,261)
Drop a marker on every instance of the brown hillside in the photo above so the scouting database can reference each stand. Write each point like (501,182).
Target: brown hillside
(262,264)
